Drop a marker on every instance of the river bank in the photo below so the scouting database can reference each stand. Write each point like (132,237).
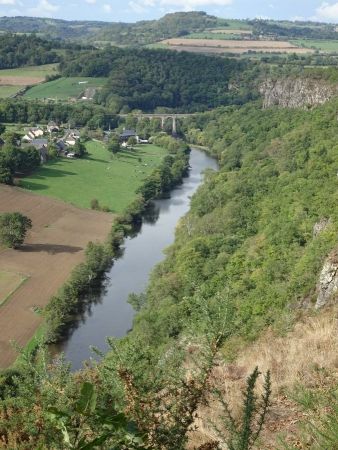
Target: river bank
(107,311)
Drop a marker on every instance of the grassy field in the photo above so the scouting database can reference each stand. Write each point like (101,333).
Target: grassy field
(111,180)
(64,88)
(9,282)
(7,91)
(212,35)
(30,71)
(318,44)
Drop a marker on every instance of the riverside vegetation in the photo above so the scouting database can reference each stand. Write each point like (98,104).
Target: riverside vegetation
(245,259)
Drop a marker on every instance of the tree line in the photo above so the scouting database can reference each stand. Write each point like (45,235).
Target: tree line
(76,115)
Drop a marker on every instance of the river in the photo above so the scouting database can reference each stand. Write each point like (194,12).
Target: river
(108,312)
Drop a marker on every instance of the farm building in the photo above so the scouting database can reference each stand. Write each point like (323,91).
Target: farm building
(126,134)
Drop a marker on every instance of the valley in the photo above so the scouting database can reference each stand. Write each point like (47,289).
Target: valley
(168,233)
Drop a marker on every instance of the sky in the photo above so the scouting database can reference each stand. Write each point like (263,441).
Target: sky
(134,10)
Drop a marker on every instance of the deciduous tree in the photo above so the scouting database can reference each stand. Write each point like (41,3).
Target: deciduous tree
(13,229)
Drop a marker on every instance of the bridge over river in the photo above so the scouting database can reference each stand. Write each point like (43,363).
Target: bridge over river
(162,116)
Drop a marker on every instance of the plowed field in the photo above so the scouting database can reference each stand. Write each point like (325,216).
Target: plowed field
(53,247)
(232,46)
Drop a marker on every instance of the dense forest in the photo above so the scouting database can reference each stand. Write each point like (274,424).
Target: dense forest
(245,258)
(30,50)
(146,79)
(22,50)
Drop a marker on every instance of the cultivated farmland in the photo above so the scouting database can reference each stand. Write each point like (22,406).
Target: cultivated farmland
(64,88)
(14,80)
(111,180)
(232,46)
(54,246)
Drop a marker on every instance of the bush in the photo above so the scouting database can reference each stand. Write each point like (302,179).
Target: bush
(94,204)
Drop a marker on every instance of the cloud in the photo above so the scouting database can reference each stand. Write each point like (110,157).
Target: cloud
(7,2)
(107,8)
(327,11)
(43,8)
(91,2)
(139,6)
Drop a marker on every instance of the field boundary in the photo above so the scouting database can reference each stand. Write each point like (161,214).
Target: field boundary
(7,297)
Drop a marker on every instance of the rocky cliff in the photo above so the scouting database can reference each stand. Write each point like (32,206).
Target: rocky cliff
(296,92)
(328,281)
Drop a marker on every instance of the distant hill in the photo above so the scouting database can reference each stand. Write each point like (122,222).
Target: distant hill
(171,25)
(53,28)
(139,33)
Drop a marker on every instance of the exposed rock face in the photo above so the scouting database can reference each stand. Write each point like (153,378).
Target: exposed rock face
(328,281)
(321,226)
(296,92)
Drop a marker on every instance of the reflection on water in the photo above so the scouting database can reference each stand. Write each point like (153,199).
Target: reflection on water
(106,311)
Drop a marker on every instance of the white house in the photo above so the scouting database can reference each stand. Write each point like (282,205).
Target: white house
(71,137)
(35,132)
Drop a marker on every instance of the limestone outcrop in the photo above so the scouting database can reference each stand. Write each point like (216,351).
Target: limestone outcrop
(328,281)
(296,92)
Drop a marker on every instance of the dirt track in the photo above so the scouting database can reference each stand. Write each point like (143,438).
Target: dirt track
(53,247)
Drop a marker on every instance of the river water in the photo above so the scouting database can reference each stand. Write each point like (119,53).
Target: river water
(108,312)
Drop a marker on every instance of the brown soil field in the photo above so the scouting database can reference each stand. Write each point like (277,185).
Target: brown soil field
(222,46)
(20,81)
(54,246)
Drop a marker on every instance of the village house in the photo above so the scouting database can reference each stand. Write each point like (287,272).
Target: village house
(32,133)
(52,127)
(71,137)
(126,134)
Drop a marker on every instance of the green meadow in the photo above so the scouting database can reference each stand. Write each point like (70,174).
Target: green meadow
(317,44)
(30,71)
(112,180)
(7,91)
(64,88)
